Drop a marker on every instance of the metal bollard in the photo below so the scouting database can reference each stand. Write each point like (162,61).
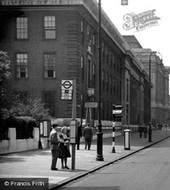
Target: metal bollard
(127,139)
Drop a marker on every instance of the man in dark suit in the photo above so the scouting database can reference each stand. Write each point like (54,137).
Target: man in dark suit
(88,135)
(54,142)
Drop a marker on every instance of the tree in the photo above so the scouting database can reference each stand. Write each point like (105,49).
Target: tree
(5,74)
(30,107)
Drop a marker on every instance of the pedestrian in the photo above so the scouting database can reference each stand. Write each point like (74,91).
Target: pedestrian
(54,146)
(79,135)
(88,135)
(145,131)
(64,151)
(140,131)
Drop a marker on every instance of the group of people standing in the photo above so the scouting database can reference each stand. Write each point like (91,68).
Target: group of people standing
(59,143)
(59,147)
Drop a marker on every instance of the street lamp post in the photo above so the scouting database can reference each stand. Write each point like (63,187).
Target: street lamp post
(99,128)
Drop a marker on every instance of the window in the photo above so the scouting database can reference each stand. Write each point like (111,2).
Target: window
(50,27)
(107,56)
(22,65)
(82,31)
(103,52)
(82,26)
(110,57)
(107,82)
(22,28)
(111,84)
(103,79)
(88,30)
(89,72)
(49,101)
(82,68)
(49,65)
(94,74)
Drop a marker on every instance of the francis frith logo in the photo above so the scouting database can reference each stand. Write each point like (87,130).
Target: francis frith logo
(140,21)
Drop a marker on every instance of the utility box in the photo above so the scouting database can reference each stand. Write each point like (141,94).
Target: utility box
(127,139)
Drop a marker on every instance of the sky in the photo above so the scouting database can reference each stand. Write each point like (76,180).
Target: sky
(156,37)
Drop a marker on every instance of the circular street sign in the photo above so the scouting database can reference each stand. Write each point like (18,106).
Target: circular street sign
(67,84)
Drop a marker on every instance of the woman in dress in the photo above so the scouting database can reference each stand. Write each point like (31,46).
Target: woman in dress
(64,152)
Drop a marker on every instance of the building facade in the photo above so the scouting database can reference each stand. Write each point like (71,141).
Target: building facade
(159,79)
(51,40)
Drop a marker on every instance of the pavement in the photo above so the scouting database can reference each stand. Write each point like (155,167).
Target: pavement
(36,163)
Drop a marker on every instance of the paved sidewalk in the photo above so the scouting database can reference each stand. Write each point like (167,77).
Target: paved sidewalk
(36,163)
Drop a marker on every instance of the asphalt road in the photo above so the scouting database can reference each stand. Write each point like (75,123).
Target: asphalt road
(147,170)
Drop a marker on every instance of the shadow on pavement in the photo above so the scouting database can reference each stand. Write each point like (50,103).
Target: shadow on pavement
(21,156)
(5,159)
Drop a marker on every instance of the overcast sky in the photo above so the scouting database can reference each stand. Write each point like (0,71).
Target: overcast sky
(155,37)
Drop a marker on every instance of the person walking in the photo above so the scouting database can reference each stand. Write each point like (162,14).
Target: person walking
(64,151)
(79,136)
(145,131)
(54,146)
(88,135)
(140,131)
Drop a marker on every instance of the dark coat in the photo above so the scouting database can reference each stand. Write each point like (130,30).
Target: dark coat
(88,133)
(64,151)
(53,138)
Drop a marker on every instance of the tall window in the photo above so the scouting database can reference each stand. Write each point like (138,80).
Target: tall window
(50,27)
(49,65)
(22,65)
(89,72)
(107,82)
(82,68)
(82,31)
(94,74)
(111,84)
(103,79)
(22,28)
(49,101)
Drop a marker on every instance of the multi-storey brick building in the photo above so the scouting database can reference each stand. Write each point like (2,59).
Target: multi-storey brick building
(52,40)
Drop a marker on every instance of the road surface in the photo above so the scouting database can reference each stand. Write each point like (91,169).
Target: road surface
(147,170)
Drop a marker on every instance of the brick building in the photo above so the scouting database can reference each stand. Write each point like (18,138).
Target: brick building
(52,40)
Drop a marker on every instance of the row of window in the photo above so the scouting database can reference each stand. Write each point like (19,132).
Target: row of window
(110,83)
(108,57)
(50,33)
(49,65)
(49,27)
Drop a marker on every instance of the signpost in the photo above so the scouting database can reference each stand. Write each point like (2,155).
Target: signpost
(73,128)
(68,92)
(66,89)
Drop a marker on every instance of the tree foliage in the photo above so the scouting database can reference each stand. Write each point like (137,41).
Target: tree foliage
(11,104)
(31,107)
(4,67)
(5,74)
